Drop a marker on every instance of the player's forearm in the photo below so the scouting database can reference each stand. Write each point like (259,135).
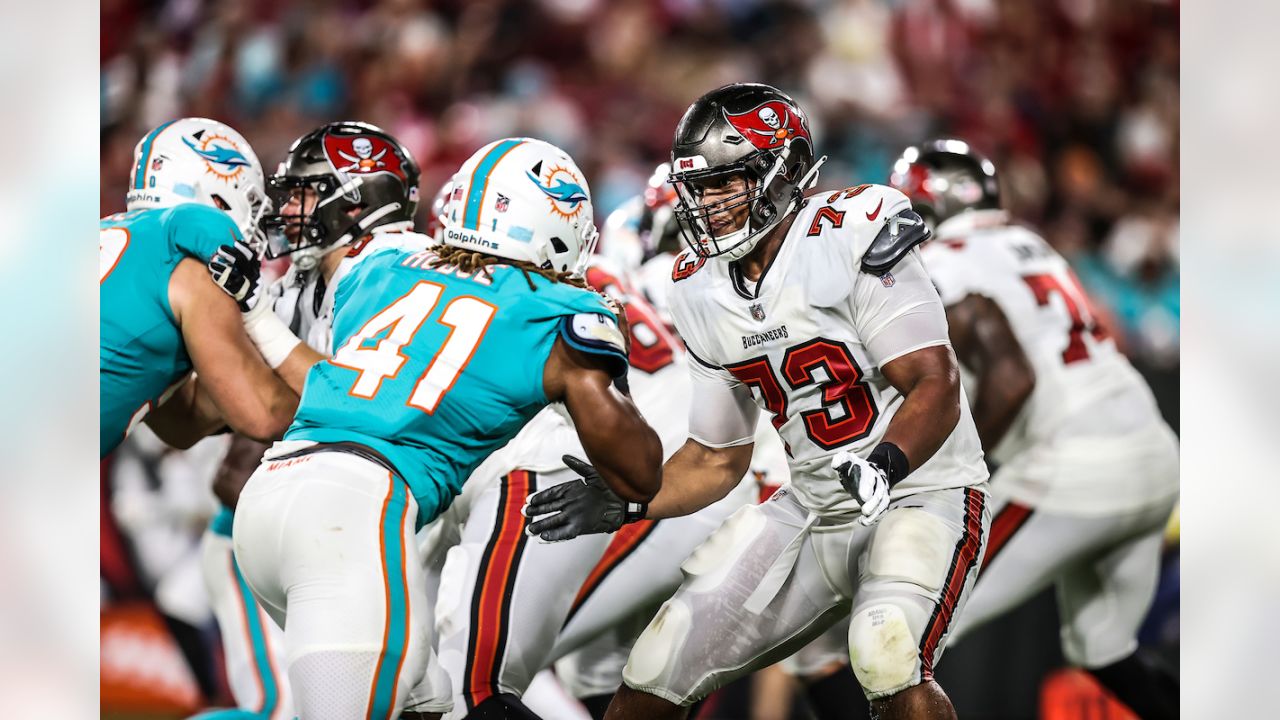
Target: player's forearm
(187,416)
(928,414)
(697,476)
(1002,391)
(261,409)
(634,474)
(296,366)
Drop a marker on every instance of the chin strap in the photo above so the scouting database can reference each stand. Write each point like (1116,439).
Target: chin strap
(359,228)
(811,178)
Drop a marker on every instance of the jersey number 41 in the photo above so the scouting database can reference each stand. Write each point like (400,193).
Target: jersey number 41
(467,318)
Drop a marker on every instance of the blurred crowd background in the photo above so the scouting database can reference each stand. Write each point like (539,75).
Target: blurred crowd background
(1076,101)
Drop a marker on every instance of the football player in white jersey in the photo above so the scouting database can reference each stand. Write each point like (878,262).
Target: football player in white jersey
(606,625)
(1087,470)
(315,236)
(819,310)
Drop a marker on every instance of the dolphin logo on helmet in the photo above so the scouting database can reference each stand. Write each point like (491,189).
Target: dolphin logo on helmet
(197,160)
(219,154)
(561,191)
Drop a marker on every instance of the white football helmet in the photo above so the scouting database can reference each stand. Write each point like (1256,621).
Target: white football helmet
(522,199)
(200,161)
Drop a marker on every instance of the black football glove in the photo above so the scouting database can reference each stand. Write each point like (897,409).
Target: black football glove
(237,269)
(578,507)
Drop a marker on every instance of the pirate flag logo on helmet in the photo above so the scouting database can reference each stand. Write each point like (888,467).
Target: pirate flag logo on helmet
(767,125)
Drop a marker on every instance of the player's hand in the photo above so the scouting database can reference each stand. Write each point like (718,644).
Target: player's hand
(237,269)
(865,482)
(578,507)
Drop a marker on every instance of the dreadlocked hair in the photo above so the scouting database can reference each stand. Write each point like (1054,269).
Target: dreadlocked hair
(472,262)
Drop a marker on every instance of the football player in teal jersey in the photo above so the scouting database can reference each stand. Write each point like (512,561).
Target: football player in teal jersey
(195,194)
(442,353)
(314,223)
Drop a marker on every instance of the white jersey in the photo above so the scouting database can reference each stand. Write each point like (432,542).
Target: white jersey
(304,302)
(807,343)
(1090,436)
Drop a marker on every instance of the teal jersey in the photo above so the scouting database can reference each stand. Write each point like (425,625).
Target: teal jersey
(434,369)
(141,353)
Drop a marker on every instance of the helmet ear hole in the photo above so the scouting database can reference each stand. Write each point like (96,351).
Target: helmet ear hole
(222,204)
(559,245)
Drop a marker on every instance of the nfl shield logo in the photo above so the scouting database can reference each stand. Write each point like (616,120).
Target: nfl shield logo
(887,280)
(757,312)
(502,204)
(157,163)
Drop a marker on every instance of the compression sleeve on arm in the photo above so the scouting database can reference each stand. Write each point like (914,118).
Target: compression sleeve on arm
(721,411)
(899,312)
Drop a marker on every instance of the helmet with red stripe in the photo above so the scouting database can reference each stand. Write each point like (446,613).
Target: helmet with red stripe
(945,177)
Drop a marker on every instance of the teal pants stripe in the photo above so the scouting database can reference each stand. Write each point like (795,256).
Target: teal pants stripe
(393,566)
(261,662)
(258,639)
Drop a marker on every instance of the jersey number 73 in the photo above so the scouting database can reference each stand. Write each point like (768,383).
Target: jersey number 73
(467,318)
(847,412)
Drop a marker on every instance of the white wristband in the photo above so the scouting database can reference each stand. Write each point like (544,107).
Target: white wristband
(274,339)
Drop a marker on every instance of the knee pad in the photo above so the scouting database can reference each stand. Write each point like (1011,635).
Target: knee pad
(658,645)
(882,650)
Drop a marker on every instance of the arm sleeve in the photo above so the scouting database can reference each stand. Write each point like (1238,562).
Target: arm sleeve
(721,410)
(898,317)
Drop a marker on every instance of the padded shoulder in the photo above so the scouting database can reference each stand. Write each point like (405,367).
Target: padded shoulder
(901,232)
(597,335)
(198,230)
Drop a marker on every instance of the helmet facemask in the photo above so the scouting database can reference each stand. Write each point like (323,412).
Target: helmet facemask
(335,218)
(301,233)
(249,212)
(770,190)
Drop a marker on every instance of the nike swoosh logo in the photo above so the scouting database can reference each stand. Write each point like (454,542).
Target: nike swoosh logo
(876,213)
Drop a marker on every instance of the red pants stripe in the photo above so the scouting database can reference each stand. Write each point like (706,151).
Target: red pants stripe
(968,547)
(491,601)
(624,542)
(1008,521)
